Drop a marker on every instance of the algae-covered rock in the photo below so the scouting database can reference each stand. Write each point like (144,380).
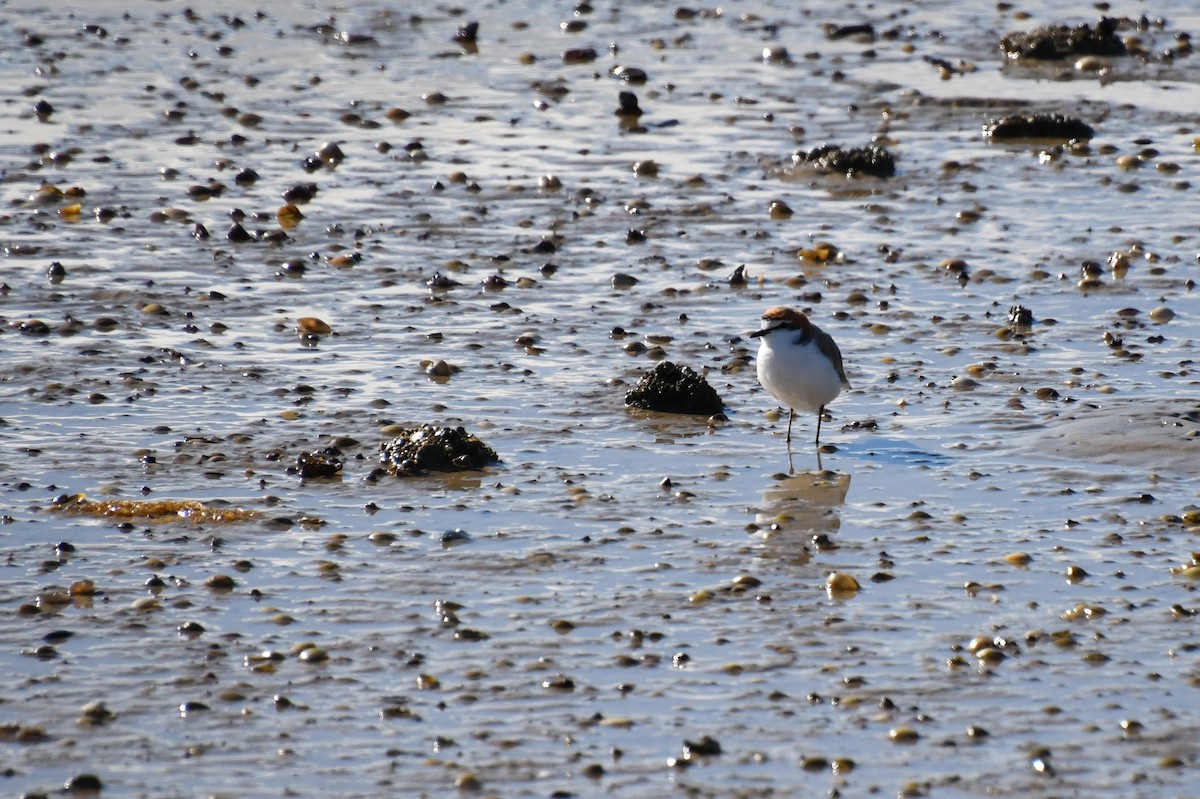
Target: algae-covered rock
(674,389)
(425,448)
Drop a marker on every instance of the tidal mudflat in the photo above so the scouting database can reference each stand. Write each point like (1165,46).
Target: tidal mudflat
(243,249)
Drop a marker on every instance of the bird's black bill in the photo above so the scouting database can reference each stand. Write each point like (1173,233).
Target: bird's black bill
(758,333)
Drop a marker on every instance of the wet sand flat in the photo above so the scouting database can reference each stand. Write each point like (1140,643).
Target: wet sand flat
(240,250)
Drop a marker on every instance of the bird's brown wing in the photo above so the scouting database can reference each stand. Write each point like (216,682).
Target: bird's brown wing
(829,349)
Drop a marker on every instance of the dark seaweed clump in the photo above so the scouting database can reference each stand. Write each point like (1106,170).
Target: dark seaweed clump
(870,160)
(1038,126)
(674,389)
(423,449)
(1061,41)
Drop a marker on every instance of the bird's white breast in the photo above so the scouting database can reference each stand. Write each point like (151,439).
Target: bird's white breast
(798,375)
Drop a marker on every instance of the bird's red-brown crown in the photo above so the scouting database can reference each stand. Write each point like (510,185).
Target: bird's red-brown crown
(788,316)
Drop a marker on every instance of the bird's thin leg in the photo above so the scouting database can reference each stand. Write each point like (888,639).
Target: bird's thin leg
(791,416)
(820,415)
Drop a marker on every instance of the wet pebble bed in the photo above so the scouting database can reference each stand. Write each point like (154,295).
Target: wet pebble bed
(245,253)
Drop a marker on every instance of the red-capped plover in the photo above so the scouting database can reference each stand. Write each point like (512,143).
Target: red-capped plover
(798,363)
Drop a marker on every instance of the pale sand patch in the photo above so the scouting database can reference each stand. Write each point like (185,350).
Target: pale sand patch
(1163,435)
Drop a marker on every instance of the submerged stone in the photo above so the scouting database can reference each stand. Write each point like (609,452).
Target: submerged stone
(674,389)
(425,448)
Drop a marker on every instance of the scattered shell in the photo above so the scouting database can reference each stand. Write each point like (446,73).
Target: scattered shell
(579,55)
(1084,612)
(776,54)
(631,75)
(627,106)
(559,683)
(820,253)
(82,588)
(645,169)
(1018,559)
(330,154)
(83,784)
(313,654)
(438,368)
(468,782)
(312,326)
(990,655)
(467,34)
(288,216)
(841,584)
(94,714)
(220,582)
(707,746)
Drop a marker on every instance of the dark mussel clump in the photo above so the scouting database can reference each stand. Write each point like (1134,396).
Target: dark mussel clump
(425,448)
(1038,126)
(674,389)
(1052,42)
(870,160)
(326,462)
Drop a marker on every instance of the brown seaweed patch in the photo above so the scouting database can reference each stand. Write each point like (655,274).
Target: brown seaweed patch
(425,448)
(157,509)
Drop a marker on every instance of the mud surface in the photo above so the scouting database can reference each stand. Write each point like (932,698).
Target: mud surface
(237,244)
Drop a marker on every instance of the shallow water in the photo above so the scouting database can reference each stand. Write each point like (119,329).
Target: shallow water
(604,566)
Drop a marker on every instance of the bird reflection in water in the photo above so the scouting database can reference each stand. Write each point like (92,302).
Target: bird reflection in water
(803,508)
